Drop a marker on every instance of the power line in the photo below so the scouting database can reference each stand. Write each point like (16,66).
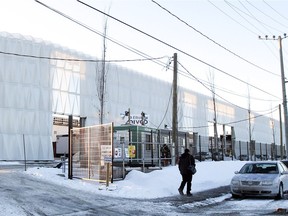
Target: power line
(207,37)
(233,18)
(78,60)
(204,82)
(239,23)
(213,92)
(254,17)
(267,14)
(235,122)
(257,116)
(171,46)
(234,8)
(275,10)
(100,34)
(261,23)
(167,107)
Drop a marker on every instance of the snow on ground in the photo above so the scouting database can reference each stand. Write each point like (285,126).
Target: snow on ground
(158,183)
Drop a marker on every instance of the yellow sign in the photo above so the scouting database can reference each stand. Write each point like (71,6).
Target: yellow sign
(132,151)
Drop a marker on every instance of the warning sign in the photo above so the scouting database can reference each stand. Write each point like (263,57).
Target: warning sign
(106,154)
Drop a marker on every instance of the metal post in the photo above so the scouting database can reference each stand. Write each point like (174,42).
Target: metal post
(200,158)
(240,150)
(24,152)
(70,127)
(261,151)
(248,151)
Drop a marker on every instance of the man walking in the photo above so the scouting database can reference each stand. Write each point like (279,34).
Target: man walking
(185,161)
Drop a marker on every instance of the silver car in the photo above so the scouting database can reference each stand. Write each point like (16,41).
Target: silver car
(269,178)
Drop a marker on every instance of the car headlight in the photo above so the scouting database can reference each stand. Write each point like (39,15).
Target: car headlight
(267,183)
(235,182)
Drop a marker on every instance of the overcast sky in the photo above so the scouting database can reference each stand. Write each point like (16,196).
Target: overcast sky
(216,41)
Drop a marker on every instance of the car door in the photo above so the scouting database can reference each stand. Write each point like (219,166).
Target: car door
(283,175)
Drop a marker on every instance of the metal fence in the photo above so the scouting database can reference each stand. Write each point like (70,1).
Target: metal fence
(238,149)
(139,148)
(92,152)
(105,152)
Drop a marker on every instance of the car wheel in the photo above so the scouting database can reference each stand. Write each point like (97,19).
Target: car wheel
(280,194)
(235,196)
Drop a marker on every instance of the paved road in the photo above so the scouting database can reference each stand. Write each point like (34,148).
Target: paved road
(21,194)
(25,195)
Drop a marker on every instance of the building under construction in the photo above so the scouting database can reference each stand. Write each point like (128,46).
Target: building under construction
(43,83)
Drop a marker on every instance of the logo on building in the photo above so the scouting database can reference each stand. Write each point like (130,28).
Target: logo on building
(139,120)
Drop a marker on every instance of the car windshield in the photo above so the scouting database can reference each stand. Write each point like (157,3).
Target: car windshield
(285,162)
(264,168)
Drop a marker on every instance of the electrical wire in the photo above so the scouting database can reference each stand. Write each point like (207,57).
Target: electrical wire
(251,31)
(233,7)
(161,57)
(257,116)
(171,46)
(207,37)
(222,11)
(209,89)
(167,107)
(254,17)
(213,92)
(275,10)
(187,75)
(261,23)
(276,21)
(235,122)
(78,60)
(99,33)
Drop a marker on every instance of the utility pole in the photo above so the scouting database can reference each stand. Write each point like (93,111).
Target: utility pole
(283,85)
(174,110)
(281,134)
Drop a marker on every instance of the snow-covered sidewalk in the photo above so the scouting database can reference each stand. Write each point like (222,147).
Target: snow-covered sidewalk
(159,183)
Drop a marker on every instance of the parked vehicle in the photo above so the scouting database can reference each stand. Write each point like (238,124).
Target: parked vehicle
(285,162)
(202,156)
(268,179)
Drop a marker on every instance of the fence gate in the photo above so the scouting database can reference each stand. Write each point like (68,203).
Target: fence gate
(91,149)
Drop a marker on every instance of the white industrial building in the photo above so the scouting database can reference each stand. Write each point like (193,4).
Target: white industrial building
(39,80)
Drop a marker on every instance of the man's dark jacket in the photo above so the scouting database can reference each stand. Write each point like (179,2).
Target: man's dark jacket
(185,161)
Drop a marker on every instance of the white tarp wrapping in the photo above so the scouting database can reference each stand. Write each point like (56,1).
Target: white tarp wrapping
(33,89)
(25,105)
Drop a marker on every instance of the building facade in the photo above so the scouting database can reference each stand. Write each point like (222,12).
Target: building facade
(40,80)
